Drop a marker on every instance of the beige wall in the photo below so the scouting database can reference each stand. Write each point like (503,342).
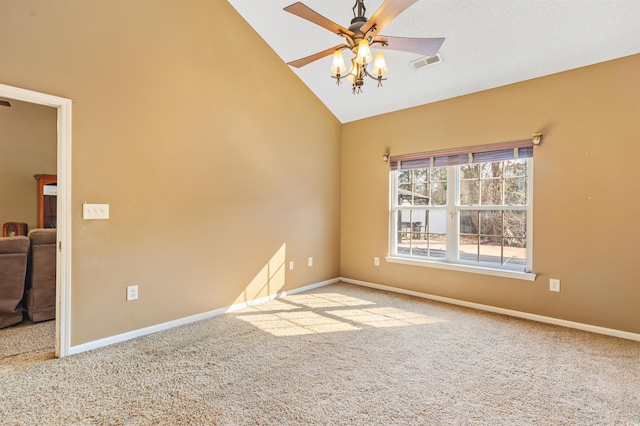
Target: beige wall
(27,147)
(586,184)
(217,162)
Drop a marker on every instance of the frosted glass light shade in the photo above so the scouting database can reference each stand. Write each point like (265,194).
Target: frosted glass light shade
(363,56)
(354,71)
(379,65)
(338,66)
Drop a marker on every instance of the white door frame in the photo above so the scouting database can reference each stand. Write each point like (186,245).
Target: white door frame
(63,258)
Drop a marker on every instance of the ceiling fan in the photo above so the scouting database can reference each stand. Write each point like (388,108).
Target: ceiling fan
(361,34)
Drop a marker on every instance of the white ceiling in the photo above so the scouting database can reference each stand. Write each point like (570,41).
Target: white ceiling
(489,43)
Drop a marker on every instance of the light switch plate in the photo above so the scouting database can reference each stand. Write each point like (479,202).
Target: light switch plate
(95,211)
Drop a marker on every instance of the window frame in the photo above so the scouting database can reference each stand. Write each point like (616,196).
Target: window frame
(453,210)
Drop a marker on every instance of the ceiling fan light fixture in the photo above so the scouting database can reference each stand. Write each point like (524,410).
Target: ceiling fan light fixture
(338,66)
(359,37)
(379,65)
(354,71)
(363,56)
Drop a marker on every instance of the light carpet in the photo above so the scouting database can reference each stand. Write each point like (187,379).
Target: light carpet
(25,344)
(338,355)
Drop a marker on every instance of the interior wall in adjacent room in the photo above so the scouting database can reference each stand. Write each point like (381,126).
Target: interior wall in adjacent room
(28,142)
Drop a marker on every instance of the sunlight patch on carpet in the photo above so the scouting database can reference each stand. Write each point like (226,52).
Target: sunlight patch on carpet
(327,300)
(384,317)
(296,323)
(328,313)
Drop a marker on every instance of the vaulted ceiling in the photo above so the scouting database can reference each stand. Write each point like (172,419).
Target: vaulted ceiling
(489,43)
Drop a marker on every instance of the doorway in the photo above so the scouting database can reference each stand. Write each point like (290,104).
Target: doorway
(63,255)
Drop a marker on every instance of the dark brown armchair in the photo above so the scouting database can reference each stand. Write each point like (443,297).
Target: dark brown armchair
(40,288)
(14,253)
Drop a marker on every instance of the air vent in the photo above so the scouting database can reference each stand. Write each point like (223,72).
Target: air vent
(427,61)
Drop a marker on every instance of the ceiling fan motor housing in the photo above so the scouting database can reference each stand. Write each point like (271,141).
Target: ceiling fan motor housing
(356,24)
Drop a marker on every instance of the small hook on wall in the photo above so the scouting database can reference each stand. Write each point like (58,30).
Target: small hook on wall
(385,157)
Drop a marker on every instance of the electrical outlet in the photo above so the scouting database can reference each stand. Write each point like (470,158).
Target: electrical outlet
(376,261)
(310,261)
(132,292)
(291,265)
(554,285)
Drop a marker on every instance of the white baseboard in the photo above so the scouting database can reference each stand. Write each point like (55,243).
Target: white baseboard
(210,314)
(518,314)
(193,318)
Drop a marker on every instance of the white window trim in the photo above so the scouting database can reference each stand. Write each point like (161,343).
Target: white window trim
(452,231)
(453,226)
(526,276)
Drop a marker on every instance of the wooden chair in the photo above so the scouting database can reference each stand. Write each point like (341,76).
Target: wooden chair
(14,229)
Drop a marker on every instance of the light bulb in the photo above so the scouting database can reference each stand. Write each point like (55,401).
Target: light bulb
(379,65)
(354,71)
(338,66)
(363,56)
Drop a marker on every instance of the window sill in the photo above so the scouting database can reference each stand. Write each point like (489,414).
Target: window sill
(526,276)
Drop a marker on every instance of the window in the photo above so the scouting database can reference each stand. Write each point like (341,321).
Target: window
(469,208)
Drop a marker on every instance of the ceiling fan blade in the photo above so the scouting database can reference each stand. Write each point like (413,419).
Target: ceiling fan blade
(307,60)
(5,103)
(423,46)
(385,14)
(305,12)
